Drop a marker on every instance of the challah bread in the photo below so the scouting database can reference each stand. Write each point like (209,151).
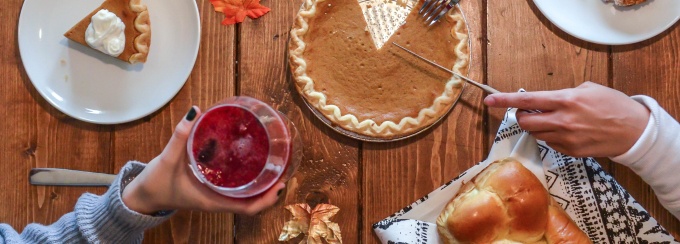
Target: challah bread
(506,203)
(561,229)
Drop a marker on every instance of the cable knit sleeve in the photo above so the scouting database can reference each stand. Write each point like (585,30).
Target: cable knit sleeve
(95,219)
(654,157)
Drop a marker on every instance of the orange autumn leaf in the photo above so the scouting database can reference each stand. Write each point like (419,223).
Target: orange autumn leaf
(237,10)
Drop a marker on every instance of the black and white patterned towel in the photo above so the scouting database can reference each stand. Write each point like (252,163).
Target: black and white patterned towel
(593,199)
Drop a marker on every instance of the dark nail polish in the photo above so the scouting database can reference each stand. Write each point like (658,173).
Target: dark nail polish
(279,192)
(191,114)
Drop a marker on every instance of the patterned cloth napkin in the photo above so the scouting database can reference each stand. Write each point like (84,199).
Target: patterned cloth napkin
(593,199)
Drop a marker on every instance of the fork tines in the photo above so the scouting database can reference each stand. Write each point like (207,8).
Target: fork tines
(433,10)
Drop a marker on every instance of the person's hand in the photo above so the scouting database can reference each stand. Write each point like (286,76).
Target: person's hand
(589,120)
(168,183)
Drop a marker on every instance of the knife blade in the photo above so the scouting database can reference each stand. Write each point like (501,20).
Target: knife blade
(67,177)
(486,88)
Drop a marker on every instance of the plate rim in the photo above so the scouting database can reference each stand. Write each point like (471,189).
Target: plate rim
(614,43)
(42,91)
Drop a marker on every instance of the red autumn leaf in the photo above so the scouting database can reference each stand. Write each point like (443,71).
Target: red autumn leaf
(237,10)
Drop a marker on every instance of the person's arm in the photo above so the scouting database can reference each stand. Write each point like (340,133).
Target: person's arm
(123,213)
(590,120)
(596,121)
(169,183)
(95,219)
(654,156)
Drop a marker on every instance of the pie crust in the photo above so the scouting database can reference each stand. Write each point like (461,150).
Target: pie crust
(398,119)
(135,16)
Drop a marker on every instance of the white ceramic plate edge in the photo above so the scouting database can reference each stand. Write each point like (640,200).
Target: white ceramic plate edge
(562,26)
(22,50)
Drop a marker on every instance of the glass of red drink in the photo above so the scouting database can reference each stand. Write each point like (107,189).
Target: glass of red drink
(242,146)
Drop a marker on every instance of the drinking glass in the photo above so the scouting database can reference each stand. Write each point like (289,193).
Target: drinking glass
(241,147)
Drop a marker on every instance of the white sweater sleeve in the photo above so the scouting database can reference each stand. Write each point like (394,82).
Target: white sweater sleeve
(654,157)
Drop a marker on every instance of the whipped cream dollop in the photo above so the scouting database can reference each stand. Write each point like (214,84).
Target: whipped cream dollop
(106,33)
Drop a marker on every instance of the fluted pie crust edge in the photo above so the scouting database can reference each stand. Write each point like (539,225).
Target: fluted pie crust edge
(143,25)
(387,129)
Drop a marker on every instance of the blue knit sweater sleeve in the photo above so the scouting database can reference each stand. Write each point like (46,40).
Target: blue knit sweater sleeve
(95,219)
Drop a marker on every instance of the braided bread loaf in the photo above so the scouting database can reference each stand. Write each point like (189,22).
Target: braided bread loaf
(506,203)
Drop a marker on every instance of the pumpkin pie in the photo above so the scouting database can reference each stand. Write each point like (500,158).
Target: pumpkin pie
(133,14)
(379,93)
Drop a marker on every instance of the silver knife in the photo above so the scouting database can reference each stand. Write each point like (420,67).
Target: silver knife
(67,177)
(486,88)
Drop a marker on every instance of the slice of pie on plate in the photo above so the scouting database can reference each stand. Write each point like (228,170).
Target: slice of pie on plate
(626,2)
(380,93)
(120,28)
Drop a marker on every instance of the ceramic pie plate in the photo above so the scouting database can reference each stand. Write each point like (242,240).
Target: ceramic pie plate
(366,138)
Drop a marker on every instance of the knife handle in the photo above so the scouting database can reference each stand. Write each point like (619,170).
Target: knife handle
(67,177)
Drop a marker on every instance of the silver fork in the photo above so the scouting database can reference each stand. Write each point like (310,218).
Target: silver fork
(433,10)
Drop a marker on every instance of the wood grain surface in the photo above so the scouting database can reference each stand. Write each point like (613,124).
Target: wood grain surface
(513,46)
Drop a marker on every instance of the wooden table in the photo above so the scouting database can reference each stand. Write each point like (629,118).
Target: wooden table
(513,46)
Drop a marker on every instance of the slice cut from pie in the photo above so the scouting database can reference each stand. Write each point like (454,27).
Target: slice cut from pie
(134,15)
(381,93)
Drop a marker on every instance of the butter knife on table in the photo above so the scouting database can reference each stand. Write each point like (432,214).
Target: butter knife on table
(67,177)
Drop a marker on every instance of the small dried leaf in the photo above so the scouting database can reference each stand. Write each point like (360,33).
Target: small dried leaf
(321,227)
(315,224)
(299,224)
(335,229)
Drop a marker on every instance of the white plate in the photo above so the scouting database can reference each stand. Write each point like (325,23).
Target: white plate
(97,88)
(603,23)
